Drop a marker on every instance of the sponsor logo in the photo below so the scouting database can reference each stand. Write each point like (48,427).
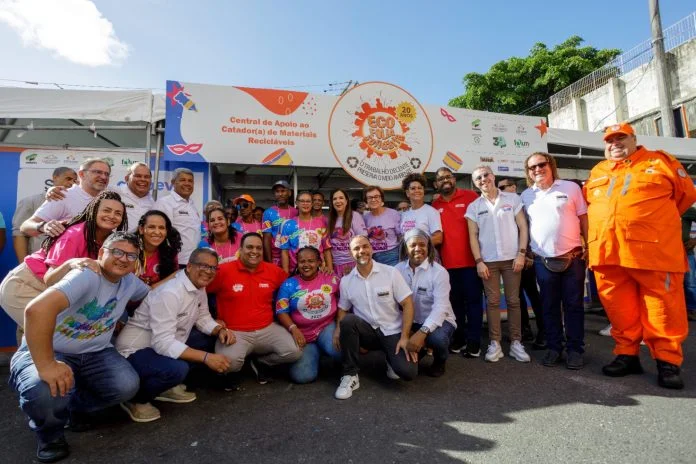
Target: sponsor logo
(518,169)
(499,142)
(128,161)
(521,130)
(486,159)
(476,124)
(499,128)
(31,158)
(477,139)
(503,168)
(519,143)
(50,159)
(109,161)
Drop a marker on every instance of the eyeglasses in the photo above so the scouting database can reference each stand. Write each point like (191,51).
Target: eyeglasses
(373,197)
(482,176)
(304,201)
(541,165)
(243,204)
(99,172)
(118,254)
(205,267)
(444,178)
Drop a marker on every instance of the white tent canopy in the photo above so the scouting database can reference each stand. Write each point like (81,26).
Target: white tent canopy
(92,105)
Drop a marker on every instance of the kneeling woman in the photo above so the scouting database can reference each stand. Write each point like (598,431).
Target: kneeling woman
(76,247)
(306,307)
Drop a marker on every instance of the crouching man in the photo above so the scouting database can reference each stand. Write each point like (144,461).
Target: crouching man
(374,292)
(66,366)
(434,322)
(157,343)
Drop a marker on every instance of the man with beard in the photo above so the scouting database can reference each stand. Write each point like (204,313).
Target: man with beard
(455,252)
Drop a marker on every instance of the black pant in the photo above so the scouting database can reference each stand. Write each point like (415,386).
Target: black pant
(528,285)
(356,333)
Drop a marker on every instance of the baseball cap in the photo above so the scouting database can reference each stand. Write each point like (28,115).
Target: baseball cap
(623,128)
(282,183)
(245,197)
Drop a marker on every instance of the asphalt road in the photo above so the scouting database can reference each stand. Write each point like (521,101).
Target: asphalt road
(477,413)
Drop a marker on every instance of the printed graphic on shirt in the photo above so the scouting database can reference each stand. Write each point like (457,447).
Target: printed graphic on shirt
(89,322)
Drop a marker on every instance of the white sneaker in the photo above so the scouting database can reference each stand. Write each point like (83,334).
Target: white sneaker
(494,352)
(606,332)
(348,384)
(176,394)
(391,374)
(517,351)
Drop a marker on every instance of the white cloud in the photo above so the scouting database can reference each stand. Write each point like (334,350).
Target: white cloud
(73,29)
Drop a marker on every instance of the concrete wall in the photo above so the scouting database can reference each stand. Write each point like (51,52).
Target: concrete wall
(632,97)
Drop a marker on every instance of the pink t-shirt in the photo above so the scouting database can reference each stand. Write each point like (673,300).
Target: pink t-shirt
(246,227)
(383,230)
(151,272)
(340,239)
(71,244)
(298,233)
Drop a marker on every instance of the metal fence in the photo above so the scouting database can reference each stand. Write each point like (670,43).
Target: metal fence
(674,36)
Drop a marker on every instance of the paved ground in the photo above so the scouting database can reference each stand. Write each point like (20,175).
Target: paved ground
(477,412)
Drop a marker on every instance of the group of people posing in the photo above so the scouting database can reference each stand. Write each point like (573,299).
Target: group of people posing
(127,299)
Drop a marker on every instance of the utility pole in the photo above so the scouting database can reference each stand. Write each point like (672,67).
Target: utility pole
(664,83)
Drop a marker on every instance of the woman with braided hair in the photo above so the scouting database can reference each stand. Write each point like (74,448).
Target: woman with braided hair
(160,243)
(77,247)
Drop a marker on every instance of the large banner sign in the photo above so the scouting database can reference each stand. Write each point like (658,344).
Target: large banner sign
(377,132)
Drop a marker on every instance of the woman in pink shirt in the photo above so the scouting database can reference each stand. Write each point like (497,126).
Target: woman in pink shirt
(222,237)
(302,231)
(77,247)
(344,224)
(160,244)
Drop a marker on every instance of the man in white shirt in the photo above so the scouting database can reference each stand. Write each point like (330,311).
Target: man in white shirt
(433,321)
(156,339)
(180,209)
(94,175)
(557,215)
(23,244)
(135,193)
(374,292)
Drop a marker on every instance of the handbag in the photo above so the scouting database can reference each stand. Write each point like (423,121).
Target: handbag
(562,262)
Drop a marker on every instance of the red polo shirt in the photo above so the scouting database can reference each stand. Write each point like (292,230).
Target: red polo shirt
(245,298)
(455,250)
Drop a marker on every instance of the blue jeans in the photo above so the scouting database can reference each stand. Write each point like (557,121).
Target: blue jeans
(568,288)
(466,297)
(439,340)
(102,379)
(306,369)
(389,257)
(690,283)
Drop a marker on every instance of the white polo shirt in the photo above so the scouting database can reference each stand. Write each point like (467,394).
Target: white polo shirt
(375,298)
(73,204)
(431,289)
(185,218)
(498,235)
(426,218)
(135,206)
(164,319)
(554,227)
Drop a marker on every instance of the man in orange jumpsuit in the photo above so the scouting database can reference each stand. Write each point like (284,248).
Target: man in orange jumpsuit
(635,200)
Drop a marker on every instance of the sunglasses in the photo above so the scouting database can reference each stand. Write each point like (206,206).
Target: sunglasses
(243,204)
(504,186)
(541,165)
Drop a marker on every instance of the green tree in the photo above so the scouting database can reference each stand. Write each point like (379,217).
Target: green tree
(518,84)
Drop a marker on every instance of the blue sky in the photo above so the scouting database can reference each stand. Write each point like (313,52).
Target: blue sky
(425,47)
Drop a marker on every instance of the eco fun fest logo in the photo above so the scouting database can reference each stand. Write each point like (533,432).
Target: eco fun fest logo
(379,134)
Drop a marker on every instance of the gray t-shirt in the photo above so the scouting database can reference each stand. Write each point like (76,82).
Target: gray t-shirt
(96,305)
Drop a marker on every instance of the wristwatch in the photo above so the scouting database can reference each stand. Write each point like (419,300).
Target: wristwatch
(40,225)
(523,251)
(424,329)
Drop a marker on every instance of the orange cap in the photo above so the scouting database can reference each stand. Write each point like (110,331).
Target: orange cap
(244,197)
(623,128)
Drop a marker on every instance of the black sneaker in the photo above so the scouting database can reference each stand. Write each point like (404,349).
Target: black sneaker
(540,342)
(261,371)
(79,422)
(230,382)
(437,369)
(575,361)
(472,350)
(457,347)
(623,365)
(53,451)
(668,375)
(527,334)
(551,358)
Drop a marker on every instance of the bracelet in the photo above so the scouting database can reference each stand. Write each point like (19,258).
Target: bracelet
(205,356)
(294,326)
(478,260)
